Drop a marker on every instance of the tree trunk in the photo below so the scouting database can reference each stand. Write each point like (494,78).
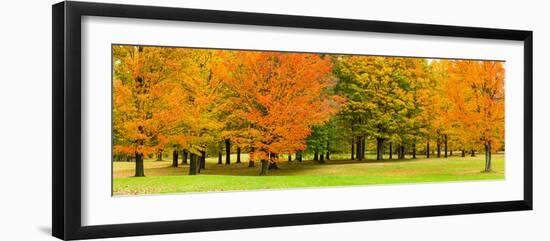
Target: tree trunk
(391,151)
(450,152)
(328,151)
(399,151)
(265,167)
(273,165)
(250,163)
(159,156)
(139,165)
(227,151)
(428,149)
(473,153)
(414,150)
(402,151)
(238,154)
(193,164)
(316,154)
(359,148)
(299,156)
(363,147)
(463,153)
(445,136)
(220,157)
(379,149)
(353,148)
(184,157)
(175,158)
(488,157)
(203,160)
(322,158)
(438,149)
(289,157)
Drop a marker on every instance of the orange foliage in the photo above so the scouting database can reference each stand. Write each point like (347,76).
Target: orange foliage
(281,95)
(477,94)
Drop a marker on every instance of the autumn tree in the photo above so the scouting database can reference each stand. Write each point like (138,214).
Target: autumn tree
(281,95)
(479,107)
(142,100)
(381,98)
(201,103)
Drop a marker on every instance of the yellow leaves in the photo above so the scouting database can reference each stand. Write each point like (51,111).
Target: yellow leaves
(476,89)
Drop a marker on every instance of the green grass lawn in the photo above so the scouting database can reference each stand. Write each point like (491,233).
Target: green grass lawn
(161,178)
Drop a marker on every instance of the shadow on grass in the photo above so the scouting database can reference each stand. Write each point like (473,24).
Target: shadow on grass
(294,168)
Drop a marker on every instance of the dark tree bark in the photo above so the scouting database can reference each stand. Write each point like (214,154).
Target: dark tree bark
(159,156)
(488,157)
(391,151)
(238,154)
(473,153)
(184,157)
(438,150)
(363,147)
(428,149)
(379,148)
(193,165)
(316,154)
(220,157)
(175,158)
(273,165)
(450,152)
(398,151)
(353,148)
(359,150)
(250,158)
(289,157)
(414,150)
(227,151)
(328,151)
(445,136)
(463,153)
(139,165)
(401,151)
(203,160)
(322,158)
(265,167)
(299,156)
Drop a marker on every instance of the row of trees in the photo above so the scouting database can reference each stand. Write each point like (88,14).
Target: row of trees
(200,101)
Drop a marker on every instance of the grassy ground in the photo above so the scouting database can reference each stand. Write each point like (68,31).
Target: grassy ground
(161,178)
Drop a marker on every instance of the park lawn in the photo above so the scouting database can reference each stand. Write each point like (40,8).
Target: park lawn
(161,178)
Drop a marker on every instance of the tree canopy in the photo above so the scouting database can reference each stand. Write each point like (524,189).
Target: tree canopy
(271,103)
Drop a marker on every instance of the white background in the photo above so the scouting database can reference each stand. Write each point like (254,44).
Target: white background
(25,126)
(101,208)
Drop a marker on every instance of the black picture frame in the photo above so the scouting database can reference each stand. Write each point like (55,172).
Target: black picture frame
(66,75)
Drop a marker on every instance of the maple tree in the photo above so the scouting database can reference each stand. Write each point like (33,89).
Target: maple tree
(479,107)
(281,96)
(141,101)
(200,108)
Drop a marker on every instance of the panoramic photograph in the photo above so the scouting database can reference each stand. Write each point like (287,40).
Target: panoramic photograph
(187,120)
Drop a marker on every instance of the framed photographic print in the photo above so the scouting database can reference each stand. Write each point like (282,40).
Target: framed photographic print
(169,120)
